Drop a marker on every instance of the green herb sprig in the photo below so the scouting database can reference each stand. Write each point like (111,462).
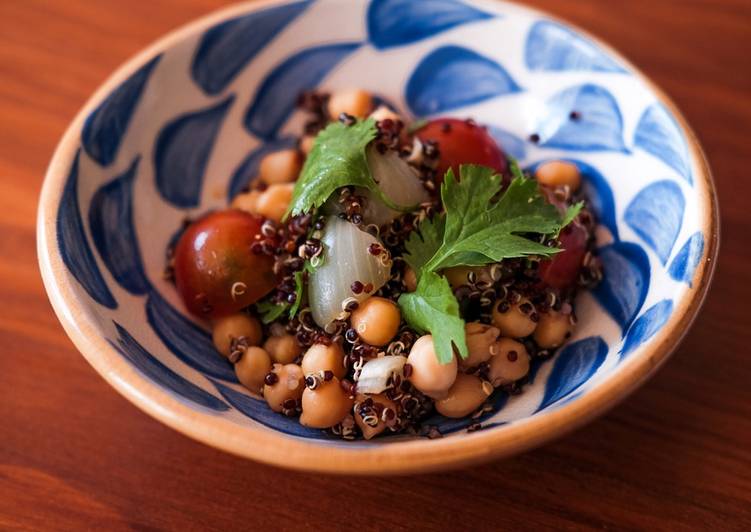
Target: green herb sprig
(475,230)
(337,160)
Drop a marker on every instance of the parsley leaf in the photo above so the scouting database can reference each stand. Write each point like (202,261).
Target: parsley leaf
(423,244)
(270,311)
(337,160)
(478,232)
(300,283)
(571,213)
(433,308)
(475,230)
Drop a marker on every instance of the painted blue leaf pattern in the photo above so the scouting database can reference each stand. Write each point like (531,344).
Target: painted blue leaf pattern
(553,47)
(574,365)
(186,340)
(687,259)
(227,48)
(113,232)
(647,325)
(448,425)
(182,153)
(658,133)
(656,215)
(105,127)
(152,368)
(448,75)
(624,287)
(258,410)
(582,118)
(277,95)
(398,22)
(451,77)
(74,247)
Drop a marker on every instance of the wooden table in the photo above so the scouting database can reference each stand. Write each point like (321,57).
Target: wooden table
(74,454)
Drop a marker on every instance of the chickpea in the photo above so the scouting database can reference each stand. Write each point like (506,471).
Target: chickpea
(510,362)
(428,375)
(321,357)
(252,368)
(480,338)
(383,113)
(553,329)
(516,320)
(283,348)
(235,327)
(376,320)
(410,279)
(326,405)
(280,167)
(273,202)
(355,102)
(370,430)
(306,143)
(464,397)
(247,201)
(457,276)
(287,385)
(559,174)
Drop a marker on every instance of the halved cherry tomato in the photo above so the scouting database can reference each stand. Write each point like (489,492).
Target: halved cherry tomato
(215,271)
(462,142)
(562,270)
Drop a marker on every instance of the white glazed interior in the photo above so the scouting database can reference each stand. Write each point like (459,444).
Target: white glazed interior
(170,92)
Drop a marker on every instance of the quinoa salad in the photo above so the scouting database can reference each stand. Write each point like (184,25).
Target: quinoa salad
(382,271)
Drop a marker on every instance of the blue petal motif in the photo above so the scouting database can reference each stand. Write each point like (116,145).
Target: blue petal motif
(276,97)
(74,248)
(647,325)
(574,365)
(182,153)
(227,47)
(106,125)
(687,259)
(111,225)
(187,341)
(448,425)
(248,169)
(161,374)
(399,22)
(451,77)
(659,134)
(258,410)
(656,215)
(597,125)
(509,142)
(597,191)
(553,47)
(626,281)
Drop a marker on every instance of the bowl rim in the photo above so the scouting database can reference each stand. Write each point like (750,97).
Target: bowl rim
(402,457)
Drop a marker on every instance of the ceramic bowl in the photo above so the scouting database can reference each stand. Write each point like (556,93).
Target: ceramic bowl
(181,128)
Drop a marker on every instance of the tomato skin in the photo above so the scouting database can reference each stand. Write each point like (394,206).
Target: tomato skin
(563,269)
(462,142)
(212,255)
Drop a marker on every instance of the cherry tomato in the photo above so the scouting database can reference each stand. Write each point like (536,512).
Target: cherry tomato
(563,269)
(462,142)
(215,271)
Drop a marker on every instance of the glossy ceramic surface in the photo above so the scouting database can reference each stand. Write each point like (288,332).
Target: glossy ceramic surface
(182,127)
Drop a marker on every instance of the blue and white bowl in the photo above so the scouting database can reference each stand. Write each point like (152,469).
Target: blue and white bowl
(181,127)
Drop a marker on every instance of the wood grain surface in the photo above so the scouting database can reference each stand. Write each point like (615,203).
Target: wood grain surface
(75,455)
